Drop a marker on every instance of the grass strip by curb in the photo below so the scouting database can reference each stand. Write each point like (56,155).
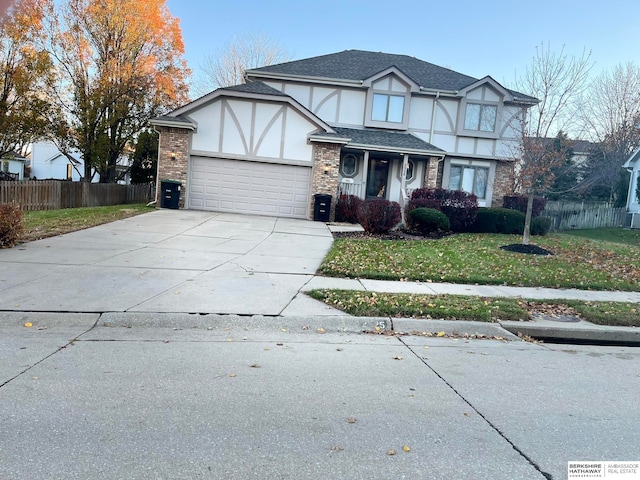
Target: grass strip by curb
(459,307)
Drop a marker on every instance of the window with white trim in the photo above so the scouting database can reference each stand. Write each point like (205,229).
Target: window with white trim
(5,166)
(410,172)
(469,179)
(480,117)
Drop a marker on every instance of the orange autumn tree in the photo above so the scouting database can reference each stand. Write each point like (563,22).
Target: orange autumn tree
(25,71)
(120,63)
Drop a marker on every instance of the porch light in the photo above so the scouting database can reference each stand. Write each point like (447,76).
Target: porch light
(326,169)
(173,156)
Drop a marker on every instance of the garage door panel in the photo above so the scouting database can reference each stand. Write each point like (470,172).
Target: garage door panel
(249,187)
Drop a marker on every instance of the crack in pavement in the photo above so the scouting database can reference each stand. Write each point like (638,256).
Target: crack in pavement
(546,475)
(59,349)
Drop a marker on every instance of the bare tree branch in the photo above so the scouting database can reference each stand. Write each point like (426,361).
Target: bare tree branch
(226,67)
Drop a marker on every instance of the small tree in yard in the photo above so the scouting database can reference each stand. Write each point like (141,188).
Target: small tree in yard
(144,159)
(558,83)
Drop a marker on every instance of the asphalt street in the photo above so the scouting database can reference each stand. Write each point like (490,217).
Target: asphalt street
(180,396)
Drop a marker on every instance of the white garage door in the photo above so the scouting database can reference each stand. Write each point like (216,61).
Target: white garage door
(249,187)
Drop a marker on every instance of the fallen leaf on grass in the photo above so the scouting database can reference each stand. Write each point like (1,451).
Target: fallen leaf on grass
(440,334)
(28,324)
(406,448)
(351,420)
(391,452)
(232,375)
(320,330)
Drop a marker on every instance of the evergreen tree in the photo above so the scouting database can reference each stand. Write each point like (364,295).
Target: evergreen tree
(144,159)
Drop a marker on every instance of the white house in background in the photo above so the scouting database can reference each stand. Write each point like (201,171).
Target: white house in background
(12,166)
(371,124)
(633,203)
(47,162)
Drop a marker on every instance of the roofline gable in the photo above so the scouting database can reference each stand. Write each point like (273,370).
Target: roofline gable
(392,70)
(631,161)
(488,80)
(226,93)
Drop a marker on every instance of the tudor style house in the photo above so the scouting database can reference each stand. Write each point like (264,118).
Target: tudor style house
(363,123)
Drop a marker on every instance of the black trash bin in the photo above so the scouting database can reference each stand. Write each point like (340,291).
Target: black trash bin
(322,207)
(170,193)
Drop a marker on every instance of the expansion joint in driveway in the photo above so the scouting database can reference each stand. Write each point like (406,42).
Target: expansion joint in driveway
(59,349)
(546,475)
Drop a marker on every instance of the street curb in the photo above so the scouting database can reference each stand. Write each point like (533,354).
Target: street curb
(584,332)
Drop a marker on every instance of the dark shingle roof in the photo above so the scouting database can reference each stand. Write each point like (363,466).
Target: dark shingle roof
(359,65)
(255,87)
(382,138)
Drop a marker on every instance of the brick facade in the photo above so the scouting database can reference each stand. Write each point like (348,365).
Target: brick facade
(433,173)
(173,141)
(324,176)
(503,182)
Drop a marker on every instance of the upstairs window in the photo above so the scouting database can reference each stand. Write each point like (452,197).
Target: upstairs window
(387,108)
(480,117)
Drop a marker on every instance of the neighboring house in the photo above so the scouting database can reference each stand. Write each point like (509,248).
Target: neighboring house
(12,166)
(633,203)
(366,123)
(47,162)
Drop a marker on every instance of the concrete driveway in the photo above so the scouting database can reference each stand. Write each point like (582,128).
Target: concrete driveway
(170,261)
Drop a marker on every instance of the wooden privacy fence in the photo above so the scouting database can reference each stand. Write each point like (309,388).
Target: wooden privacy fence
(576,215)
(56,194)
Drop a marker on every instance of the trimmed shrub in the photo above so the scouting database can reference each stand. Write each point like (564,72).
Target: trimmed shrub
(379,215)
(347,208)
(540,226)
(519,203)
(459,207)
(499,220)
(10,224)
(427,220)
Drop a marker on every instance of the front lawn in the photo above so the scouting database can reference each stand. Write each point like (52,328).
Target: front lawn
(477,259)
(616,235)
(48,223)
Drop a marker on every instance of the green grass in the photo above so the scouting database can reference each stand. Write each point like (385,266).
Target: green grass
(478,259)
(615,235)
(456,307)
(48,223)
(449,307)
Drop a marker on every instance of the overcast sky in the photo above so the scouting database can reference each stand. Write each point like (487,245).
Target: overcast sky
(477,38)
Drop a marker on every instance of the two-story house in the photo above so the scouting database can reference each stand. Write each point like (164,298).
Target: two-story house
(365,123)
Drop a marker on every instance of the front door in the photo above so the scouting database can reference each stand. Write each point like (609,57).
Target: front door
(377,178)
